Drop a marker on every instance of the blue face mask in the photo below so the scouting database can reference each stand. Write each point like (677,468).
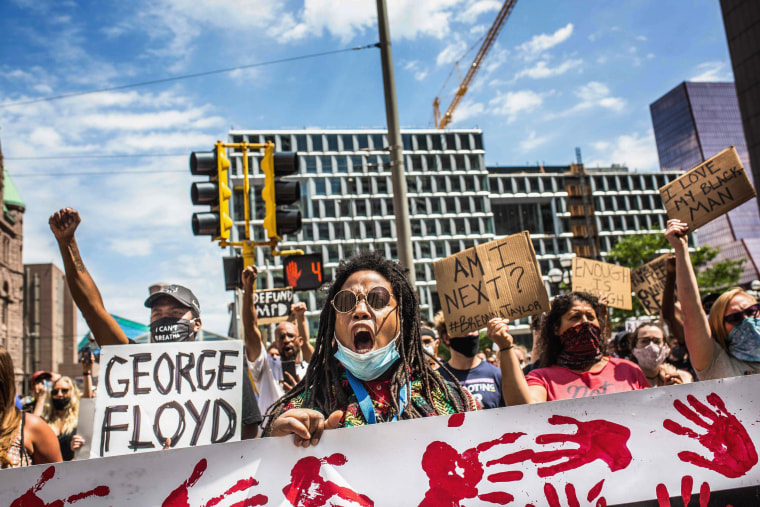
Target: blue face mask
(744,340)
(371,365)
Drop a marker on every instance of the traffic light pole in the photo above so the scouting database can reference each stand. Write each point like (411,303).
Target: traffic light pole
(398,176)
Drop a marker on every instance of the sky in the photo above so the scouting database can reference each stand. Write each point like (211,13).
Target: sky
(561,75)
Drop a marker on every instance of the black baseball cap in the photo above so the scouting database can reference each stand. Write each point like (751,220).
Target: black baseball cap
(181,294)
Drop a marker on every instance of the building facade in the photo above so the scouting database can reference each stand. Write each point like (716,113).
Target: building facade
(51,321)
(693,122)
(347,201)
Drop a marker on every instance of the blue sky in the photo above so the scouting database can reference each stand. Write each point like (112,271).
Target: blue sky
(562,74)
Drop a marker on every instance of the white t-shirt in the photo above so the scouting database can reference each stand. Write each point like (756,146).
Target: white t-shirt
(723,365)
(267,372)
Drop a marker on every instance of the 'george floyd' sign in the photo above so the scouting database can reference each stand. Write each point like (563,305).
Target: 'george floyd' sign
(496,279)
(709,190)
(602,279)
(190,392)
(648,283)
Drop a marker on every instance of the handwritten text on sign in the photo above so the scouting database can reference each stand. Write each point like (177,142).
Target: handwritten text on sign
(590,451)
(272,305)
(190,392)
(648,282)
(602,279)
(709,190)
(496,279)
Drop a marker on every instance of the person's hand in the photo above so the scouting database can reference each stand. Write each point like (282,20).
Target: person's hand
(498,332)
(87,365)
(676,234)
(76,442)
(669,379)
(64,223)
(289,382)
(249,277)
(298,310)
(40,390)
(305,424)
(603,299)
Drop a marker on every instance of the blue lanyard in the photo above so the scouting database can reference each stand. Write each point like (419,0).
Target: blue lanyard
(365,403)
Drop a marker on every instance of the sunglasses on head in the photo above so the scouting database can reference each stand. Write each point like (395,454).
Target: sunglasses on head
(60,390)
(346,300)
(736,318)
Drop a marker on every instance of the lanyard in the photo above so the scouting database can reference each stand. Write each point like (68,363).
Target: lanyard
(365,403)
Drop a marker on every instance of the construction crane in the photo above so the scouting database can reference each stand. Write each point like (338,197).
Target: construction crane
(442,121)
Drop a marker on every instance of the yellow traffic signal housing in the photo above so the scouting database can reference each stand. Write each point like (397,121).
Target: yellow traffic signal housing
(215,193)
(278,219)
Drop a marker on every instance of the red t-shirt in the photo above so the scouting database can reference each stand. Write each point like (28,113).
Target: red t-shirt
(618,375)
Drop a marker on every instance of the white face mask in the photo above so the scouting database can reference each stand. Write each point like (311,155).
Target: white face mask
(429,349)
(651,356)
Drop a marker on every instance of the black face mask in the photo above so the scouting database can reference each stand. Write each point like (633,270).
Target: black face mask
(169,329)
(60,403)
(466,345)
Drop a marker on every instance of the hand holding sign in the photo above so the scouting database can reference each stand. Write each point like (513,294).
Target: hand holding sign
(602,279)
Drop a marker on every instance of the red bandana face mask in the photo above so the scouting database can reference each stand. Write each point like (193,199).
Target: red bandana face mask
(580,346)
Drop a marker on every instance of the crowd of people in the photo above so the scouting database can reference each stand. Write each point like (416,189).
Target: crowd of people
(373,360)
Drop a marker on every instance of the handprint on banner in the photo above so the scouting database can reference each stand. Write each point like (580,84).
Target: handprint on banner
(663,496)
(179,497)
(309,489)
(293,274)
(442,464)
(30,498)
(598,439)
(552,497)
(733,452)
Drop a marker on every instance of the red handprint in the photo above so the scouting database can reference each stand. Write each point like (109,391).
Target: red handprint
(734,453)
(663,497)
(179,497)
(597,439)
(293,274)
(30,498)
(447,487)
(552,497)
(308,489)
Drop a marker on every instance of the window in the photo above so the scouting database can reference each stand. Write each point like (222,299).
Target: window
(377,142)
(363,141)
(332,142)
(311,165)
(342,165)
(319,186)
(406,140)
(416,162)
(316,143)
(451,142)
(382,185)
(464,141)
(451,206)
(385,229)
(300,143)
(356,163)
(361,207)
(324,231)
(422,143)
(437,144)
(348,142)
(435,205)
(329,207)
(326,161)
(335,186)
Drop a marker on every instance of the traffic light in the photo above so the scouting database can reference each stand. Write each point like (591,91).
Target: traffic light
(215,193)
(304,272)
(280,220)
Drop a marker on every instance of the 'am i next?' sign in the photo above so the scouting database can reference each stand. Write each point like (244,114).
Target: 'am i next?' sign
(190,392)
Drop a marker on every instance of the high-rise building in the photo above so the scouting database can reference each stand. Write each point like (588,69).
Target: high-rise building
(51,321)
(693,122)
(347,201)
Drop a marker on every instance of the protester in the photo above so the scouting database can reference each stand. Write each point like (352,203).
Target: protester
(40,383)
(273,352)
(537,350)
(728,343)
(270,375)
(298,317)
(622,345)
(574,362)
(650,350)
(368,364)
(25,439)
(430,344)
(62,414)
(173,306)
(474,373)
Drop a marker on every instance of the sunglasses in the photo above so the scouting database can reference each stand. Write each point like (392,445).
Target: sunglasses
(346,300)
(61,391)
(736,318)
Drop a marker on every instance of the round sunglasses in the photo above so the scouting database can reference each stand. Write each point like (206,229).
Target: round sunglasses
(736,318)
(346,300)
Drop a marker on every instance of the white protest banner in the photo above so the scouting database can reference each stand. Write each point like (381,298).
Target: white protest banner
(648,282)
(496,279)
(709,190)
(603,279)
(687,442)
(84,426)
(190,392)
(273,305)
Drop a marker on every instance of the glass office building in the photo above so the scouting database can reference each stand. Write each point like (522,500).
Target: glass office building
(693,122)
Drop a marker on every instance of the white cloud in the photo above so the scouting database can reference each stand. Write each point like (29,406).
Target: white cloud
(642,38)
(415,68)
(713,71)
(451,53)
(466,110)
(596,94)
(541,70)
(136,247)
(533,141)
(478,7)
(635,151)
(532,49)
(512,104)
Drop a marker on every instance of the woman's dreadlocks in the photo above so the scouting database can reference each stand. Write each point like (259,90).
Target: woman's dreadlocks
(321,385)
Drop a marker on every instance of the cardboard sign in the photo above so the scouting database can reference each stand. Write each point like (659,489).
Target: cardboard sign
(703,438)
(709,190)
(190,392)
(272,305)
(602,279)
(84,427)
(648,282)
(496,279)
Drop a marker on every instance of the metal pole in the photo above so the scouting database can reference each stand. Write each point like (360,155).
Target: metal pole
(398,177)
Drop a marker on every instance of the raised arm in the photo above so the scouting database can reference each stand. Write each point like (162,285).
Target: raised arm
(86,295)
(668,304)
(251,332)
(298,310)
(515,388)
(86,361)
(695,325)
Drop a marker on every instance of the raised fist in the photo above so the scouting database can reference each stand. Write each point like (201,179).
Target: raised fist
(249,277)
(64,223)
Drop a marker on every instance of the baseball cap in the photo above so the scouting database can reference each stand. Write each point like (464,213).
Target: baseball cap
(181,294)
(40,375)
